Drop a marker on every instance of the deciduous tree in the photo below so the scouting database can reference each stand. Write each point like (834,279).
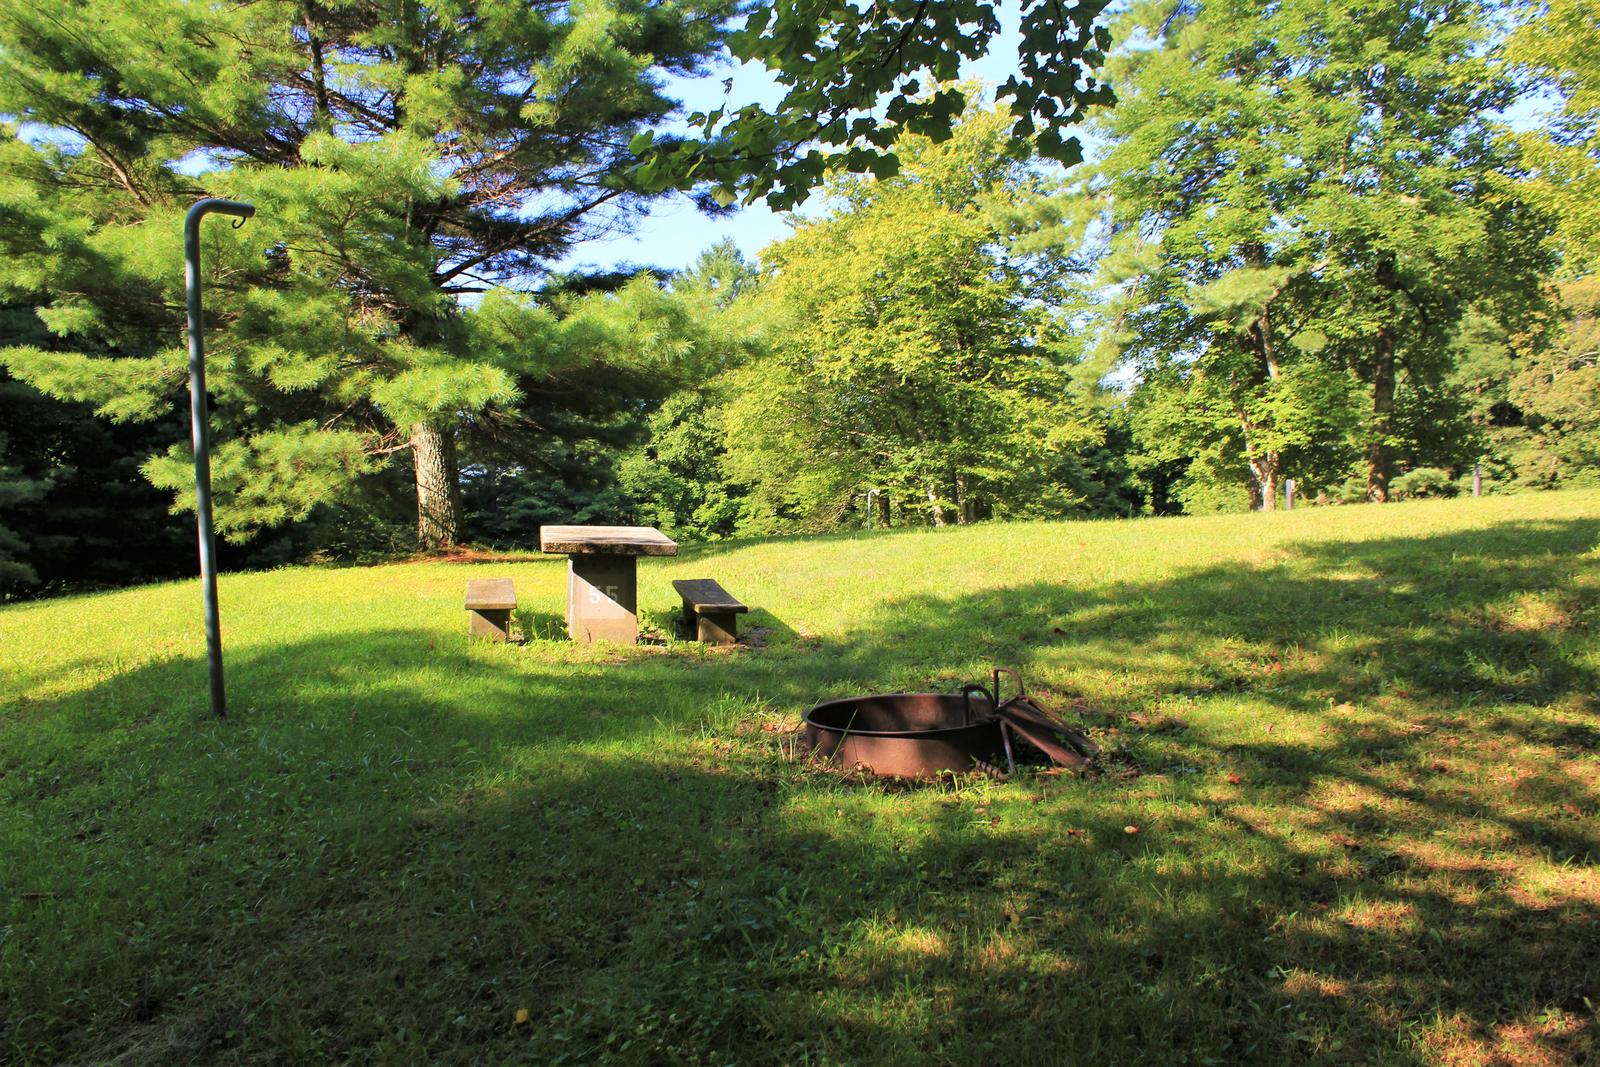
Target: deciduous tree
(914,351)
(1298,203)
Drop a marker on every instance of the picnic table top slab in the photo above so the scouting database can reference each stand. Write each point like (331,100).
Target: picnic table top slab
(606,541)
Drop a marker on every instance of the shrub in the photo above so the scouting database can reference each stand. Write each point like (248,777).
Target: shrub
(1423,482)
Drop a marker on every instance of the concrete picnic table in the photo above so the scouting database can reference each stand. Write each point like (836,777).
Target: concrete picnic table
(602,576)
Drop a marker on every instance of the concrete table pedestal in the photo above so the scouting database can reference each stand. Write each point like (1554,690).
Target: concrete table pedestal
(602,577)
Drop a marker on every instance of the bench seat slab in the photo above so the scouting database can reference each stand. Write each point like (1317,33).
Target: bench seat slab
(492,593)
(490,602)
(709,611)
(705,594)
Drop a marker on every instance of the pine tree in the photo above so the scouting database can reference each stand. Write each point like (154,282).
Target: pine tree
(404,157)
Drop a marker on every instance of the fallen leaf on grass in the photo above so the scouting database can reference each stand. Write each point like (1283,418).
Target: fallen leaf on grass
(521,1017)
(1234,779)
(1130,829)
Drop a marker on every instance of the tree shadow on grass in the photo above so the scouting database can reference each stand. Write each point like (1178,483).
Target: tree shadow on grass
(1365,828)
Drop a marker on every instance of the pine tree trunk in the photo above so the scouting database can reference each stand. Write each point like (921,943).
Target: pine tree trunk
(433,454)
(1378,459)
(319,77)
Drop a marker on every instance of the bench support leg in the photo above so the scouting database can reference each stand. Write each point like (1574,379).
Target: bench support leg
(491,623)
(718,627)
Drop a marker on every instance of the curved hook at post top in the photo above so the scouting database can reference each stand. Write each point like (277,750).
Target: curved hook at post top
(200,208)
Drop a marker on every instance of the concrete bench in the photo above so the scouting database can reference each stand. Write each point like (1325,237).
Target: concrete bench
(490,602)
(708,611)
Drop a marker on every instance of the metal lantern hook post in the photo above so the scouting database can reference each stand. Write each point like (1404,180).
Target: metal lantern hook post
(200,430)
(872,501)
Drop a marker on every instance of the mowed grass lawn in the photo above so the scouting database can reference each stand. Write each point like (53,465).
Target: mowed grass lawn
(1350,810)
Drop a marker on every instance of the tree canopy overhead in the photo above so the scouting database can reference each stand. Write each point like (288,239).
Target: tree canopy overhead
(1323,256)
(857,76)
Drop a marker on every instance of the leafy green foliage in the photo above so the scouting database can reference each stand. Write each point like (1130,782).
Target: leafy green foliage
(599,441)
(1421,482)
(677,480)
(857,79)
(913,352)
(504,507)
(1535,395)
(16,489)
(1557,387)
(78,511)
(1555,44)
(401,157)
(1300,207)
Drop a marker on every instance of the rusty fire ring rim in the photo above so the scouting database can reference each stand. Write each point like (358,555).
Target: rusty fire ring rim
(863,732)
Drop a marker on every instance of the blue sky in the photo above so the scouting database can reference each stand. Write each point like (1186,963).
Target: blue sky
(675,232)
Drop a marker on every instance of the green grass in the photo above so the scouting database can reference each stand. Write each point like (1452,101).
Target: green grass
(1359,746)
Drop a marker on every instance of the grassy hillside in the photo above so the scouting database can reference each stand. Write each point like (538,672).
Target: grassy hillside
(1350,811)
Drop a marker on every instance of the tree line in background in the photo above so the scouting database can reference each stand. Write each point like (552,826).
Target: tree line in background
(1307,245)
